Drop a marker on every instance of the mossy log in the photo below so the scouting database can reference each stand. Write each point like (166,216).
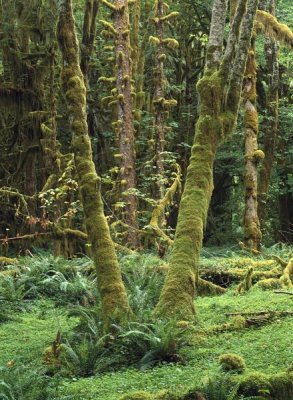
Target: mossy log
(112,291)
(8,261)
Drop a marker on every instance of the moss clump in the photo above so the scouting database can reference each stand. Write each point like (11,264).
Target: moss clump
(270,283)
(254,384)
(282,386)
(259,154)
(232,363)
(239,322)
(137,396)
(165,395)
(8,261)
(155,41)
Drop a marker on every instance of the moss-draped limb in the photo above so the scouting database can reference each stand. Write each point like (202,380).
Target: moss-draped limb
(268,24)
(162,204)
(113,295)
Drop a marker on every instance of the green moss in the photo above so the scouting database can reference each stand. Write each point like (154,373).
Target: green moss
(270,283)
(230,362)
(259,154)
(254,384)
(171,43)
(137,396)
(154,41)
(251,119)
(282,386)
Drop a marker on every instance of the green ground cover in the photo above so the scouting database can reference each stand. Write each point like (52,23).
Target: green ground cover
(267,348)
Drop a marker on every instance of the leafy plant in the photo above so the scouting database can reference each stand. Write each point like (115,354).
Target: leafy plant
(26,382)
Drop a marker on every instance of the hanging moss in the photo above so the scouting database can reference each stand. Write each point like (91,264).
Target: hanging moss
(154,40)
(109,26)
(171,43)
(268,24)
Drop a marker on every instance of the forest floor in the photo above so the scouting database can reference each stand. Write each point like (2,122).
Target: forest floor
(31,326)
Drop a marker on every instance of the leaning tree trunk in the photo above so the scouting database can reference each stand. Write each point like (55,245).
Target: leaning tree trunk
(270,122)
(110,285)
(216,120)
(252,232)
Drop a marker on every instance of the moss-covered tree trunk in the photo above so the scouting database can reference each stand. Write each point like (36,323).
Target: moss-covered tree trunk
(270,124)
(159,95)
(216,120)
(125,129)
(252,232)
(110,285)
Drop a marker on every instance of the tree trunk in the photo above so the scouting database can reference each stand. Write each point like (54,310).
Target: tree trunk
(110,284)
(125,130)
(252,233)
(270,125)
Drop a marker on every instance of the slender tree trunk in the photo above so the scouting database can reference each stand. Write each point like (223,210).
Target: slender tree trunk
(252,232)
(88,35)
(125,129)
(159,96)
(270,124)
(110,285)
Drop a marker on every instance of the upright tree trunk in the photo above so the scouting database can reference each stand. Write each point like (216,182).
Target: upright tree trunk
(252,232)
(109,280)
(125,129)
(88,35)
(270,124)
(159,96)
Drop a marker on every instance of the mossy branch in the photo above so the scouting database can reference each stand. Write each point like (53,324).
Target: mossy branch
(111,6)
(171,43)
(162,204)
(167,17)
(266,23)
(109,26)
